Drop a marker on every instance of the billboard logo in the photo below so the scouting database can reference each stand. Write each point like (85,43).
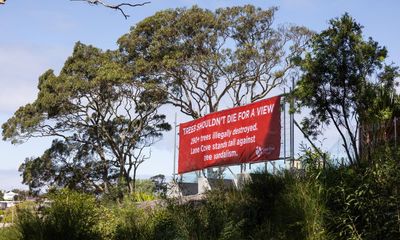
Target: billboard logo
(260,151)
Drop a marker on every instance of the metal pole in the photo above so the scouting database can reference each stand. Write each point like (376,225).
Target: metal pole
(395,131)
(273,167)
(292,126)
(175,124)
(284,127)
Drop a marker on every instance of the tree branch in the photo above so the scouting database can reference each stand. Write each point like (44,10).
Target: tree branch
(118,7)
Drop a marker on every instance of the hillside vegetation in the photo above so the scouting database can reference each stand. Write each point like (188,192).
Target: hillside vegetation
(334,203)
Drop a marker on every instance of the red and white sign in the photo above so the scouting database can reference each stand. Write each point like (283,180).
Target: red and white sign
(245,134)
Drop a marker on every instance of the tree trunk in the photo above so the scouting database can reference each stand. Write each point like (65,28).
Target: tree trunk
(134,179)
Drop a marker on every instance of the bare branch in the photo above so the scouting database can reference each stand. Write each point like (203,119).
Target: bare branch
(118,7)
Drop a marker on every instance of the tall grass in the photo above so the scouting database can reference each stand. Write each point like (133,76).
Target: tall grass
(71,216)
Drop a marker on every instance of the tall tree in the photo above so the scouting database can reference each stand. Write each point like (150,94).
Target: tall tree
(341,80)
(68,165)
(104,121)
(206,60)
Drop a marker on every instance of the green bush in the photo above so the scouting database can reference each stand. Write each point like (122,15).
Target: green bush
(31,226)
(9,233)
(8,215)
(133,223)
(301,210)
(364,201)
(107,222)
(165,226)
(147,224)
(347,202)
(191,220)
(71,215)
(142,196)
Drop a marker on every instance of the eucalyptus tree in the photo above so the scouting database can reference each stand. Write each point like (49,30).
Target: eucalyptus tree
(346,83)
(102,118)
(206,60)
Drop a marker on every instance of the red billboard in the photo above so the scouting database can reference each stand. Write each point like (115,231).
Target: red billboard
(244,134)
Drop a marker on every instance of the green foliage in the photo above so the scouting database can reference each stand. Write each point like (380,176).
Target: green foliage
(107,222)
(332,203)
(160,185)
(71,215)
(144,191)
(9,233)
(8,215)
(365,201)
(138,196)
(303,203)
(103,119)
(344,83)
(146,224)
(145,186)
(270,207)
(31,226)
(164,226)
(133,223)
(203,58)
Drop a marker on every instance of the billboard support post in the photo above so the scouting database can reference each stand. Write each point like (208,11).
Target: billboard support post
(284,125)
(291,126)
(395,131)
(175,136)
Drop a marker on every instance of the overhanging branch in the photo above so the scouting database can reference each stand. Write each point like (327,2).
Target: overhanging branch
(118,6)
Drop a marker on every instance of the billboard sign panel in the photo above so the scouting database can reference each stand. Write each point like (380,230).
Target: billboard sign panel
(244,134)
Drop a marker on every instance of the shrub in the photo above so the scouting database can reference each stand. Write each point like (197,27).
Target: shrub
(9,233)
(71,216)
(301,210)
(146,224)
(364,201)
(132,223)
(347,202)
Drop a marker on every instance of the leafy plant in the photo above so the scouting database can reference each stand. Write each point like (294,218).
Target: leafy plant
(71,215)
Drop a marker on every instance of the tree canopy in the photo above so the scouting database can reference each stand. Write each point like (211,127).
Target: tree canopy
(209,59)
(345,82)
(102,117)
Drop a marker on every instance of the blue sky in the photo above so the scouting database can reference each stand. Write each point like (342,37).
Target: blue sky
(39,35)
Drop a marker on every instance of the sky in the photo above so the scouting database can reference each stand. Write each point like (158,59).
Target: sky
(40,35)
